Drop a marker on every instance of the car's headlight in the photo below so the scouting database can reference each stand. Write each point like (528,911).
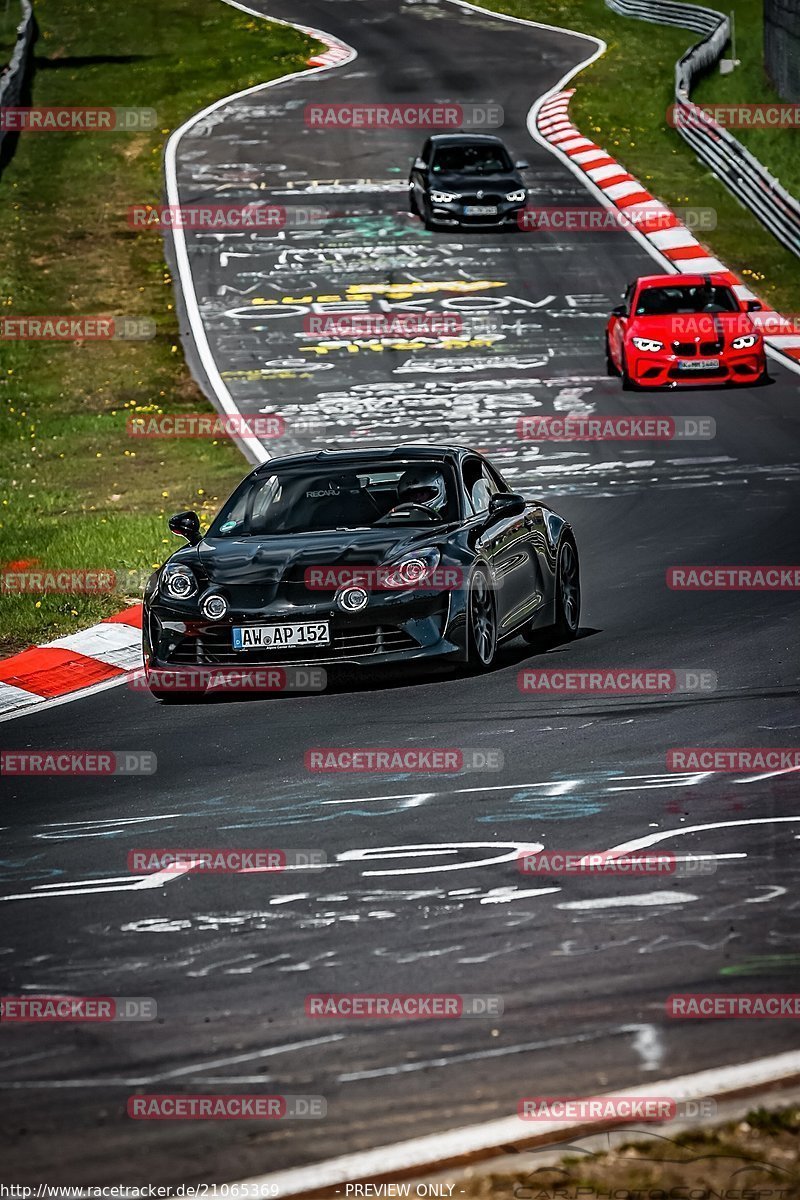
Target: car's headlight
(745,341)
(444,197)
(178,582)
(517,196)
(413,571)
(647,344)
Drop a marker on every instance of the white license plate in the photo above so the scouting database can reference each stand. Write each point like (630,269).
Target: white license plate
(251,637)
(480,210)
(698,364)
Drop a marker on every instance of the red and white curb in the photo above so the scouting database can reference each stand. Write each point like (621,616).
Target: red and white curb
(102,655)
(674,244)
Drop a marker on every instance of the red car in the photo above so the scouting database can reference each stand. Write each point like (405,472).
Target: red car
(675,329)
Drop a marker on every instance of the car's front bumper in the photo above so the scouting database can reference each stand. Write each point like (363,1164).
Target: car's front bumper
(663,370)
(454,214)
(389,629)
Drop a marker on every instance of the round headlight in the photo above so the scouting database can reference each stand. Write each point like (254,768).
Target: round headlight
(352,599)
(214,607)
(179,583)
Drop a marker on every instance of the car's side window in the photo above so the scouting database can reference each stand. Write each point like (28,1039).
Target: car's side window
(427,152)
(479,486)
(628,298)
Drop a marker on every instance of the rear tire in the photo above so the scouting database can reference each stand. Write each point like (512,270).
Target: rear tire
(567,601)
(568,592)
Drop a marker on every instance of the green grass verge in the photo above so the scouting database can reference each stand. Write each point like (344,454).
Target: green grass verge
(776,148)
(621,102)
(75,490)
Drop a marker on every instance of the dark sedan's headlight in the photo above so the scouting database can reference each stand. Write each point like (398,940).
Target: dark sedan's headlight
(444,197)
(412,571)
(178,582)
(517,197)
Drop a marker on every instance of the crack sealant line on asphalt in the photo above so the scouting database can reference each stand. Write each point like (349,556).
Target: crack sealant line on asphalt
(109,654)
(458,1147)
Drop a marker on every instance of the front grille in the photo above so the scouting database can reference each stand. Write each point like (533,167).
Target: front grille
(488,198)
(690,349)
(358,642)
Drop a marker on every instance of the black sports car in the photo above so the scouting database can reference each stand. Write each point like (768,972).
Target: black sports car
(362,557)
(466,179)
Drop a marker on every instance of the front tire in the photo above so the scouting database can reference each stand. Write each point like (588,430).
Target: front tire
(481,623)
(611,367)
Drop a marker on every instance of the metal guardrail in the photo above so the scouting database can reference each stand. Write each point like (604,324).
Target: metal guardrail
(13,78)
(742,173)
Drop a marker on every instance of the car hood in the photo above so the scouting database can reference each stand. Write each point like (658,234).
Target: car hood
(242,561)
(689,328)
(507,182)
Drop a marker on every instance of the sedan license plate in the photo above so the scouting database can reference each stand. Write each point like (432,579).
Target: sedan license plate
(480,210)
(698,364)
(276,637)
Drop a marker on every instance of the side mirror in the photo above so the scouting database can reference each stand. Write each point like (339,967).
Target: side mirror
(186,524)
(754,306)
(419,164)
(521,165)
(506,504)
(619,311)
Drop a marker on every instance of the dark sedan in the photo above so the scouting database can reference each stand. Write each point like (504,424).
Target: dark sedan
(362,558)
(466,179)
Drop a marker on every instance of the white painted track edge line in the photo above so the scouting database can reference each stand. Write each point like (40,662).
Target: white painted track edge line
(432,1152)
(252,448)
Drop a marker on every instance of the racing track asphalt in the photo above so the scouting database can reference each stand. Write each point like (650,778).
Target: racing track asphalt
(583,966)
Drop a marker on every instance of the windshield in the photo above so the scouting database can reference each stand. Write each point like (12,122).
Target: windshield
(315,497)
(700,298)
(478,158)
